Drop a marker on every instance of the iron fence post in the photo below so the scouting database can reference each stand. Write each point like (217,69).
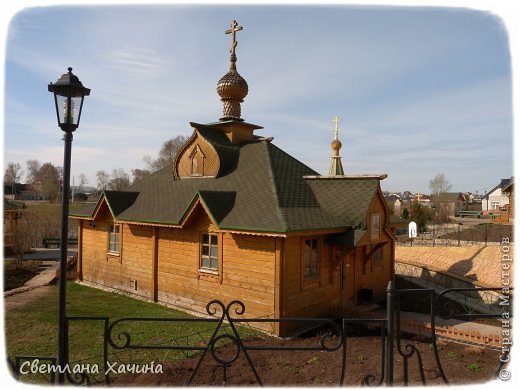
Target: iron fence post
(390,335)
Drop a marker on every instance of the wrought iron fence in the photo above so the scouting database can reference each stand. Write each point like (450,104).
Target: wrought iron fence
(456,234)
(122,336)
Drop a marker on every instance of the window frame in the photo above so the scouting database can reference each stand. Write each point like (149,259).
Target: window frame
(114,231)
(315,247)
(378,257)
(375,226)
(211,257)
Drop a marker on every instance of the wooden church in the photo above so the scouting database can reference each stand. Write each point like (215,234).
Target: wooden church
(236,217)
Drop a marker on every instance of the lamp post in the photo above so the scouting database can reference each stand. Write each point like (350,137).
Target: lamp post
(68,99)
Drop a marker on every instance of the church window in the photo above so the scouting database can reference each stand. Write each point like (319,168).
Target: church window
(311,258)
(209,252)
(197,162)
(113,238)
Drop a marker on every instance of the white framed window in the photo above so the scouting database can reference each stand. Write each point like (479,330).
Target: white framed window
(114,238)
(209,252)
(495,205)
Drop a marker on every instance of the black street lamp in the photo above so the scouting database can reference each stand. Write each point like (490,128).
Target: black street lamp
(68,99)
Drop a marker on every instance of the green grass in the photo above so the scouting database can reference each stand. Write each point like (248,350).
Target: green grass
(313,360)
(32,329)
(475,367)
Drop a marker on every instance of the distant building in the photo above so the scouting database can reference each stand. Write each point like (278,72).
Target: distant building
(496,199)
(394,203)
(510,190)
(19,191)
(507,213)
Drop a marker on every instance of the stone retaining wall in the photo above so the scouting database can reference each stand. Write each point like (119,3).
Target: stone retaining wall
(480,265)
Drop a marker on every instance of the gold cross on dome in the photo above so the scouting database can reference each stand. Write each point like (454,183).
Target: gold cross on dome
(233,30)
(336,119)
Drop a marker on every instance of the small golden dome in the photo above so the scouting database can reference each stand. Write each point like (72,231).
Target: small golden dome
(336,144)
(232,86)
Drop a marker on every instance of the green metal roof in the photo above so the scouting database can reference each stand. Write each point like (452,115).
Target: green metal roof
(260,188)
(348,239)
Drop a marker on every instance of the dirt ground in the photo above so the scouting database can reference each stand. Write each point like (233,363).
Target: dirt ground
(462,365)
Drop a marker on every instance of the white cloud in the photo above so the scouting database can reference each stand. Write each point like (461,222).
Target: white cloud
(152,70)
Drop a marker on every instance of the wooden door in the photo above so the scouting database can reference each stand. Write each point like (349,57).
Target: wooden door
(348,285)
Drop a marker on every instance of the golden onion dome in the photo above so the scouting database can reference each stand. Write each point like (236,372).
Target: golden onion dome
(232,86)
(336,144)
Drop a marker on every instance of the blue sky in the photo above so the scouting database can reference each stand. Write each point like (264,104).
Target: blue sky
(420,91)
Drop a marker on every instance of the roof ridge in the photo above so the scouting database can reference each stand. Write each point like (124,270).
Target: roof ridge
(295,159)
(273,183)
(146,177)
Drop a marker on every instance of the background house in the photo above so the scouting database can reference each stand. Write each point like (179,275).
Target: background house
(496,198)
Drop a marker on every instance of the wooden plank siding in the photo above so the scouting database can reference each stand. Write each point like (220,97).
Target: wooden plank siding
(113,271)
(165,264)
(308,298)
(369,274)
(246,272)
(264,272)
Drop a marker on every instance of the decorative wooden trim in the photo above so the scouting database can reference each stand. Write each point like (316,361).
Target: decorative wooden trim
(220,244)
(121,242)
(155,263)
(191,208)
(278,282)
(368,256)
(314,232)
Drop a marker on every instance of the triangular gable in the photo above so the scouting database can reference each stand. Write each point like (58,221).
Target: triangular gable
(116,201)
(503,184)
(216,204)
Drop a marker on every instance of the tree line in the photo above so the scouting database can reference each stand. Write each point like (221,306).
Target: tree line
(46,178)
(439,212)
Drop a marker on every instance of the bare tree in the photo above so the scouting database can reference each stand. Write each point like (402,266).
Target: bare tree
(20,237)
(139,174)
(13,173)
(82,179)
(119,180)
(32,171)
(167,153)
(102,178)
(49,177)
(439,186)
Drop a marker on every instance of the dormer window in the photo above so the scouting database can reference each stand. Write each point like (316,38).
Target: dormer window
(197,162)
